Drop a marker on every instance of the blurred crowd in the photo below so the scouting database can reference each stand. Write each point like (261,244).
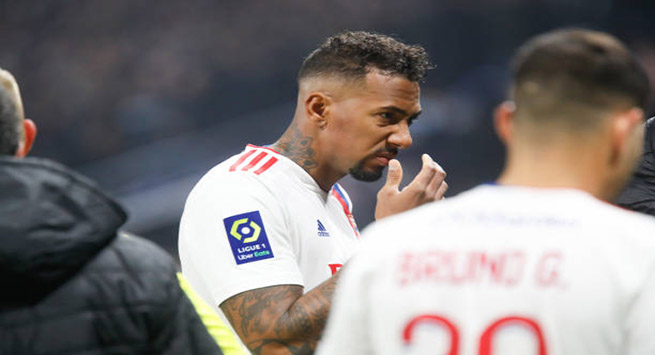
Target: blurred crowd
(102,78)
(105,76)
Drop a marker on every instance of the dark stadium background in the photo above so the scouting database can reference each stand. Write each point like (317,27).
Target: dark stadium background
(145,96)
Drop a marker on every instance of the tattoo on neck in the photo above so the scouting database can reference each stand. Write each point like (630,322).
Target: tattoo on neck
(298,148)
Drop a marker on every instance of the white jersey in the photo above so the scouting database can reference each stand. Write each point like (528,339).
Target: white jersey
(501,270)
(258,219)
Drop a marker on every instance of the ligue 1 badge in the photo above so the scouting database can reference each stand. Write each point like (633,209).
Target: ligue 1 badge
(247,237)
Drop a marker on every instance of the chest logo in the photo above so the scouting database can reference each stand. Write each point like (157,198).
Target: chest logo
(247,237)
(322,232)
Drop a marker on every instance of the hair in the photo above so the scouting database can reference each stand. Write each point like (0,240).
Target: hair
(353,54)
(574,77)
(10,130)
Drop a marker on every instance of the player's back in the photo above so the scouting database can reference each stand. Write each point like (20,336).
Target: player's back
(504,270)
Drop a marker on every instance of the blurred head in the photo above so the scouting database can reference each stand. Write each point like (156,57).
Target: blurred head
(639,195)
(577,87)
(16,133)
(360,93)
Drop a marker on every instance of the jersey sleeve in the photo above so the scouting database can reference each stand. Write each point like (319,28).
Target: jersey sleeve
(234,238)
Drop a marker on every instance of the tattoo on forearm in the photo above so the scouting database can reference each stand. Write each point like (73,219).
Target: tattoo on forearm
(281,316)
(298,148)
(295,348)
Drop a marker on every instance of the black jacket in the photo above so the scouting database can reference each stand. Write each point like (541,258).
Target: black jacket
(640,193)
(71,285)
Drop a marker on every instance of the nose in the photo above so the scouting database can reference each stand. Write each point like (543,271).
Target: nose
(400,137)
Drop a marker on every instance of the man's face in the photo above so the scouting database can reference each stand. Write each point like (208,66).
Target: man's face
(369,123)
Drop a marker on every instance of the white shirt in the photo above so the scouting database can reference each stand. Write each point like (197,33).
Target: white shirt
(258,219)
(501,270)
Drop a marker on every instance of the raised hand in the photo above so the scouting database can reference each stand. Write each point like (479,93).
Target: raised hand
(428,185)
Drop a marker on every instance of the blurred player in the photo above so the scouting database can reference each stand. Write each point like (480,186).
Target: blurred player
(264,233)
(640,193)
(539,263)
(72,283)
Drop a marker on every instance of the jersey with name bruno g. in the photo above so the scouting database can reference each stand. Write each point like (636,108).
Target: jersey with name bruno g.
(258,219)
(501,270)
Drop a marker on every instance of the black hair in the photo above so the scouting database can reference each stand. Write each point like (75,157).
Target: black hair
(577,68)
(353,54)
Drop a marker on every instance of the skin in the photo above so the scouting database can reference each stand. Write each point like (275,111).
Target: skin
(602,164)
(373,116)
(340,127)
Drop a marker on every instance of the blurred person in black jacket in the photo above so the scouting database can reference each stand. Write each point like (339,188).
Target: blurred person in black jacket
(71,282)
(640,194)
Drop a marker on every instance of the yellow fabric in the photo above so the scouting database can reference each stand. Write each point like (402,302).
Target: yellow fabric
(220,331)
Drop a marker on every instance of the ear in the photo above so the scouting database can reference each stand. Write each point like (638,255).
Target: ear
(317,107)
(627,130)
(29,129)
(504,121)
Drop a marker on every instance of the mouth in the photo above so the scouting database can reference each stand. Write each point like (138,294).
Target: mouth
(381,161)
(384,157)
(371,167)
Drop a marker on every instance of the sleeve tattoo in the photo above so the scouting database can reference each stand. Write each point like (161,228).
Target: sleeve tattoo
(280,319)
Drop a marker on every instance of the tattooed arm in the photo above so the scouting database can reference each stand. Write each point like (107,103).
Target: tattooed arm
(280,319)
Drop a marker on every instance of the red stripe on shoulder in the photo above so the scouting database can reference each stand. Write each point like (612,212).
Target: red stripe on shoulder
(241,160)
(267,165)
(267,148)
(254,162)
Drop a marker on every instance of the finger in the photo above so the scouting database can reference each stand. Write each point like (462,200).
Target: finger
(395,174)
(441,191)
(426,174)
(436,181)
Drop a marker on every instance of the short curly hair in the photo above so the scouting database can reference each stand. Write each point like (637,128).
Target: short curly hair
(353,54)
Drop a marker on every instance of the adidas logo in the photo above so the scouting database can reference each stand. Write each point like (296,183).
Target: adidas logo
(322,232)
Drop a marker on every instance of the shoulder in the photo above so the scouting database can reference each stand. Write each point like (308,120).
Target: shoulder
(251,171)
(135,258)
(252,161)
(434,213)
(635,225)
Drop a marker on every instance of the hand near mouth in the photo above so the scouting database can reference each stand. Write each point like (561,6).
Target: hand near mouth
(428,185)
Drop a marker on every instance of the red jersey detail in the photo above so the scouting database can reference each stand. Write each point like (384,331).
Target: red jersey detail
(241,160)
(266,165)
(487,337)
(254,162)
(349,215)
(258,147)
(438,320)
(334,268)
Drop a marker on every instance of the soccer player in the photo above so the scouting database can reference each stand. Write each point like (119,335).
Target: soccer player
(264,233)
(537,263)
(640,194)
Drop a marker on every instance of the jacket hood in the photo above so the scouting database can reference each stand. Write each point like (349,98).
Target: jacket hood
(640,193)
(52,222)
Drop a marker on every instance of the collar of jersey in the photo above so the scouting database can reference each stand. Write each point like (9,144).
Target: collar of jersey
(546,191)
(299,173)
